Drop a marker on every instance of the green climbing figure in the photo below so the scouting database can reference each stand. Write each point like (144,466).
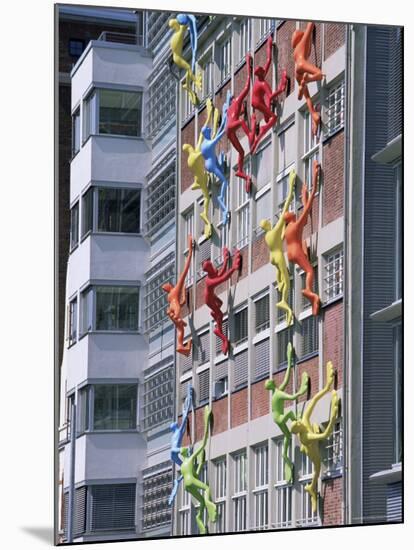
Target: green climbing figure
(190,470)
(278,408)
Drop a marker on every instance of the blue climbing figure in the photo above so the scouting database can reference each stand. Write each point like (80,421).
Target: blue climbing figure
(177,439)
(212,163)
(191,22)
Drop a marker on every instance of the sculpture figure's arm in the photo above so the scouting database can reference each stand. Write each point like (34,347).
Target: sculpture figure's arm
(226,256)
(207,416)
(269,54)
(181,280)
(289,353)
(193,39)
(246,88)
(292,180)
(307,35)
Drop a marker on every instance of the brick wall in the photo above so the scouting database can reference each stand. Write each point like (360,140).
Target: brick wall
(238,414)
(312,224)
(278,378)
(220,413)
(316,50)
(237,276)
(285,53)
(331,494)
(260,253)
(200,287)
(334,38)
(333,178)
(311,366)
(333,339)
(259,400)
(187,136)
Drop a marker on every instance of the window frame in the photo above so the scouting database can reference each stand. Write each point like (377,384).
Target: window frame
(220,489)
(336,88)
(71,42)
(283,490)
(76,131)
(224,50)
(73,321)
(240,493)
(329,258)
(245,38)
(243,212)
(74,226)
(261,487)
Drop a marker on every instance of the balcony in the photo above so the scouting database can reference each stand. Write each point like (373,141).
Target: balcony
(121,38)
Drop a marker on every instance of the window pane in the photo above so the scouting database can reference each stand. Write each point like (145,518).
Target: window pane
(74,225)
(116,308)
(87,310)
(120,113)
(87,211)
(73,320)
(115,407)
(89,116)
(76,132)
(119,210)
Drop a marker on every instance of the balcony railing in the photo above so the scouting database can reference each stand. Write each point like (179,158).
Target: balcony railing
(121,38)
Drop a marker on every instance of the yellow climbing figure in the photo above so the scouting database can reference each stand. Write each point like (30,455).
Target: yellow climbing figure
(176,44)
(274,240)
(310,434)
(195,162)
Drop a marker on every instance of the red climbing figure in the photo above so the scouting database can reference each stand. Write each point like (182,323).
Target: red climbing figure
(236,120)
(214,278)
(297,251)
(305,71)
(263,97)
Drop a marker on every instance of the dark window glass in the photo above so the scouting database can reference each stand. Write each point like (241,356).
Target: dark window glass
(310,338)
(87,211)
(120,113)
(76,132)
(116,308)
(262,313)
(115,407)
(74,226)
(84,409)
(76,47)
(119,210)
(240,326)
(73,319)
(89,116)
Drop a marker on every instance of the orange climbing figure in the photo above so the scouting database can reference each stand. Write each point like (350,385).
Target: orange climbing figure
(176,299)
(305,71)
(263,97)
(296,247)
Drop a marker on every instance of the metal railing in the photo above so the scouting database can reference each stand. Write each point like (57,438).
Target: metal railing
(121,38)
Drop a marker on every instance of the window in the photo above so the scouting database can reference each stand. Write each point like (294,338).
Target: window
(84,409)
(207,69)
(115,407)
(282,191)
(113,112)
(281,313)
(112,507)
(283,490)
(160,202)
(240,326)
(223,241)
(334,274)
(119,210)
(310,336)
(75,132)
(311,153)
(220,471)
(203,386)
(74,226)
(110,308)
(263,210)
(335,110)
(305,303)
(158,398)
(265,26)
(87,212)
(262,313)
(76,47)
(155,302)
(240,491)
(241,368)
(398,232)
(204,253)
(225,59)
(398,377)
(243,214)
(203,348)
(157,487)
(184,511)
(116,308)
(161,101)
(263,160)
(334,450)
(244,37)
(283,338)
(187,107)
(189,230)
(225,332)
(79,515)
(260,491)
(262,359)
(73,320)
(306,515)
(287,148)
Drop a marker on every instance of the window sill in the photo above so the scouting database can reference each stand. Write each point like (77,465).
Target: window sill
(138,332)
(188,119)
(240,387)
(220,397)
(260,378)
(389,313)
(84,237)
(74,155)
(307,357)
(223,82)
(116,233)
(332,474)
(327,138)
(111,431)
(119,136)
(73,248)
(392,475)
(332,301)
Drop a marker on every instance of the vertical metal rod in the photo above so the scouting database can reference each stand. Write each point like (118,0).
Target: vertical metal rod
(71,503)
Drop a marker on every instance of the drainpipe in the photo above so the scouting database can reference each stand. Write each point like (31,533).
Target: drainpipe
(71,503)
(345,419)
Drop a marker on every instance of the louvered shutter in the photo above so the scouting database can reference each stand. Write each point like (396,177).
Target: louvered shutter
(283,338)
(65,514)
(186,362)
(221,370)
(240,326)
(113,506)
(204,348)
(262,358)
(310,335)
(394,502)
(203,386)
(262,313)
(240,368)
(204,253)
(183,391)
(79,520)
(225,332)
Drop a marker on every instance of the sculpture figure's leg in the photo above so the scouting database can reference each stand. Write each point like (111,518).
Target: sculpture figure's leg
(198,496)
(283,288)
(204,214)
(185,349)
(312,488)
(316,117)
(304,263)
(287,439)
(270,120)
